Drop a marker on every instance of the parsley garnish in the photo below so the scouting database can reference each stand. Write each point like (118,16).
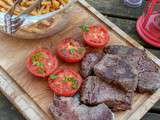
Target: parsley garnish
(80,50)
(39,64)
(72,50)
(73,81)
(36,59)
(40,71)
(37,56)
(53,76)
(84,28)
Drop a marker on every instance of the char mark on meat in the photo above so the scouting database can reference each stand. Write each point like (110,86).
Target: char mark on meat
(69,108)
(95,91)
(113,69)
(88,63)
(123,50)
(142,64)
(148,82)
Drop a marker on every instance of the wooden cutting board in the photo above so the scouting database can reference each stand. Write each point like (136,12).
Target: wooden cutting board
(31,95)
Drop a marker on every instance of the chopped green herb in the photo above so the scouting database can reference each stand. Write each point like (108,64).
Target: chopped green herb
(73,81)
(84,28)
(75,85)
(37,56)
(92,20)
(72,50)
(41,71)
(53,76)
(80,50)
(37,63)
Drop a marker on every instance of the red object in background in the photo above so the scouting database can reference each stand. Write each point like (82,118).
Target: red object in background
(148,25)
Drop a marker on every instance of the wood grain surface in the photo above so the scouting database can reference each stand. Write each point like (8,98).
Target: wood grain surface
(13,61)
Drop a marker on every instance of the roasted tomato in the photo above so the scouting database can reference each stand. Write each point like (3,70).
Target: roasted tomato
(64,82)
(95,35)
(41,63)
(70,51)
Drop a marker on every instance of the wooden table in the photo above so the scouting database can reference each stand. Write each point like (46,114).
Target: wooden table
(122,16)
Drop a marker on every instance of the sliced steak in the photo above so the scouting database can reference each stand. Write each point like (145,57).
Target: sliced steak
(88,63)
(69,108)
(148,82)
(146,65)
(136,57)
(113,69)
(124,50)
(140,62)
(95,91)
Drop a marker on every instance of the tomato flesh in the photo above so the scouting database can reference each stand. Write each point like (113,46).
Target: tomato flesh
(41,63)
(64,82)
(97,36)
(70,51)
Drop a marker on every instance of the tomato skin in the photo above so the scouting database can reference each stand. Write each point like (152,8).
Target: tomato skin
(52,59)
(65,58)
(88,40)
(60,91)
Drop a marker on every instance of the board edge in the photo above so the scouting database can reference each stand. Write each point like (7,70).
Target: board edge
(19,98)
(150,102)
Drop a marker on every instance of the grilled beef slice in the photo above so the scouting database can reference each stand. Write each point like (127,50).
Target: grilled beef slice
(145,64)
(123,50)
(148,82)
(95,91)
(136,57)
(69,108)
(88,63)
(113,69)
(141,63)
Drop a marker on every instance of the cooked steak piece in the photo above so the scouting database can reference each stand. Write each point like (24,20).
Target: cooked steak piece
(136,57)
(148,82)
(113,69)
(140,62)
(123,50)
(69,108)
(88,63)
(96,91)
(145,64)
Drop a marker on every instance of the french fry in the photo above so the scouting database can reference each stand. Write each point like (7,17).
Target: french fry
(2,10)
(47,6)
(4,5)
(32,30)
(9,2)
(7,7)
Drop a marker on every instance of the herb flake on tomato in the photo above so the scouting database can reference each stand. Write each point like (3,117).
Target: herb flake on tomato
(65,82)
(41,71)
(41,63)
(70,50)
(53,77)
(84,27)
(72,80)
(96,35)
